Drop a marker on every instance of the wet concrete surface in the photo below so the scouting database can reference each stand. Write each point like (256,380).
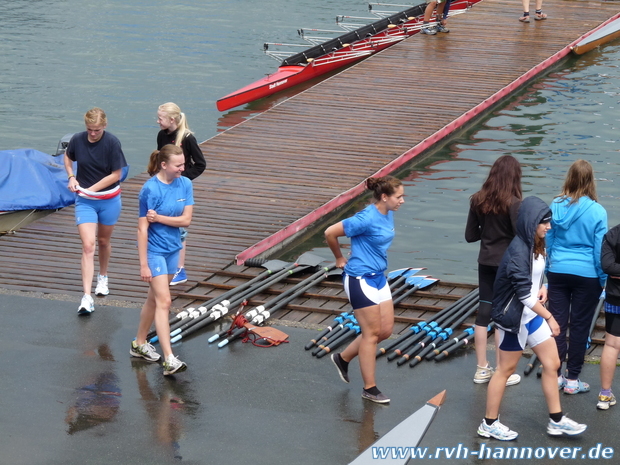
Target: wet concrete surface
(71,394)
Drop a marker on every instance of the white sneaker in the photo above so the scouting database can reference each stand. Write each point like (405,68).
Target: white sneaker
(102,286)
(513,379)
(173,365)
(497,431)
(565,426)
(87,305)
(146,351)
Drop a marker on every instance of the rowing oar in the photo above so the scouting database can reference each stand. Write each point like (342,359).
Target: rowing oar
(349,332)
(597,311)
(417,285)
(272,266)
(348,325)
(333,334)
(415,329)
(263,312)
(441,337)
(419,330)
(305,261)
(337,321)
(430,331)
(396,285)
(530,365)
(396,445)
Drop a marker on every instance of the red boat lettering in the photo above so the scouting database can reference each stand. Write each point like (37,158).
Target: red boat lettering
(276,84)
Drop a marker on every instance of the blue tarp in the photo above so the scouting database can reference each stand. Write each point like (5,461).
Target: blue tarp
(30,179)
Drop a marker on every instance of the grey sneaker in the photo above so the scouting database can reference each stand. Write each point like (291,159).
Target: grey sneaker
(441,28)
(342,371)
(379,398)
(428,30)
(565,426)
(604,402)
(102,286)
(87,305)
(497,430)
(146,351)
(173,365)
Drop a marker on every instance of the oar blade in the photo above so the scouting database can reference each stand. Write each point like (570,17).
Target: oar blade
(394,448)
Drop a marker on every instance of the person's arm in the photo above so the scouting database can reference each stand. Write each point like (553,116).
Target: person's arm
(331,237)
(472,228)
(110,179)
(143,239)
(72,184)
(192,149)
(182,221)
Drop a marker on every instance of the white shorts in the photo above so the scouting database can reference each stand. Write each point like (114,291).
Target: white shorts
(531,333)
(366,291)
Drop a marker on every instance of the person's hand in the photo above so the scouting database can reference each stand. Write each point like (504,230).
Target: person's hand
(554,326)
(73,185)
(151,216)
(542,295)
(145,273)
(341,262)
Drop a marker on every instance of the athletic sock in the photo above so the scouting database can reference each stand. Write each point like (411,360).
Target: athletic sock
(605,392)
(538,12)
(526,13)
(373,390)
(572,382)
(489,421)
(556,416)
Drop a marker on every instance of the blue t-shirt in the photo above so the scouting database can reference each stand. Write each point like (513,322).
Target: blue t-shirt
(167,200)
(371,234)
(95,160)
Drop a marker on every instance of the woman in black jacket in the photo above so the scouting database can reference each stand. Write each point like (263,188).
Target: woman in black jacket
(519,314)
(492,220)
(610,261)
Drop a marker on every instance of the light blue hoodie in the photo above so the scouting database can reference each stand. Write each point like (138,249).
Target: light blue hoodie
(575,239)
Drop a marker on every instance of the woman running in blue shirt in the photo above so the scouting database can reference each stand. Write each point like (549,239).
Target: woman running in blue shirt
(166,206)
(371,232)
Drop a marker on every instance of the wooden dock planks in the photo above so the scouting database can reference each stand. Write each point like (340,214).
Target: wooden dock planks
(274,169)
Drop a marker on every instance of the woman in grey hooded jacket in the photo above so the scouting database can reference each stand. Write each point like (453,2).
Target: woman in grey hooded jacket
(520,314)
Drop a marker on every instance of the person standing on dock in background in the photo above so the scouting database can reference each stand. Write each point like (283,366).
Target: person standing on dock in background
(371,232)
(610,262)
(440,18)
(520,314)
(492,220)
(538,14)
(175,131)
(576,278)
(100,162)
(166,206)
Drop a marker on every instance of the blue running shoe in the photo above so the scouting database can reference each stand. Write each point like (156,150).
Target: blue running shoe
(179,277)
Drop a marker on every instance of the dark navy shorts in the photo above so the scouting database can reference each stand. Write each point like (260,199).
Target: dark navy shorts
(366,291)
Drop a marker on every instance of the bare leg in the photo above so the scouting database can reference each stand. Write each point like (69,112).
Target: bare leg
(507,364)
(526,5)
(105,247)
(182,256)
(88,235)
(157,308)
(480,340)
(377,323)
(547,353)
(609,358)
(429,11)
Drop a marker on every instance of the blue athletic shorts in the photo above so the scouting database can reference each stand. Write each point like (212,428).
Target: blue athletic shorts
(105,212)
(366,291)
(163,263)
(532,333)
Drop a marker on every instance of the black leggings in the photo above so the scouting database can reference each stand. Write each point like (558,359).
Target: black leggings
(486,278)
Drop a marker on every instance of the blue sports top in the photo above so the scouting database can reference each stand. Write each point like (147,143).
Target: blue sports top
(371,234)
(167,200)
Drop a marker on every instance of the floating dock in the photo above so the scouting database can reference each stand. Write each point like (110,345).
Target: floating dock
(271,178)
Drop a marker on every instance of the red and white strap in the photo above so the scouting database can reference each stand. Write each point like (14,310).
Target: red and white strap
(103,195)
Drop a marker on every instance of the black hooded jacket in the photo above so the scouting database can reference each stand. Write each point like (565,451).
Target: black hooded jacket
(513,281)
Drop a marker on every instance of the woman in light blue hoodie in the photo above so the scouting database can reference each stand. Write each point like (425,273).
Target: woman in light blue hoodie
(574,271)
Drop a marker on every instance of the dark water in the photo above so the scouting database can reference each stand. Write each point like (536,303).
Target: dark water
(62,57)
